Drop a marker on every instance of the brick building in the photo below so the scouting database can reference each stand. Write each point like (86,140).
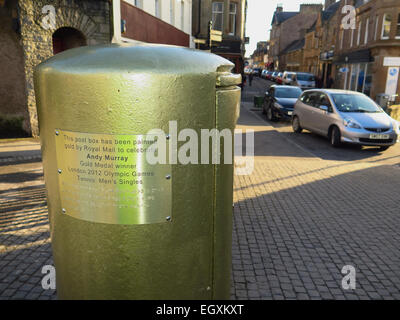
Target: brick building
(31,31)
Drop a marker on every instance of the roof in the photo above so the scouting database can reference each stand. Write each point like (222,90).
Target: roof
(330,11)
(294,46)
(280,17)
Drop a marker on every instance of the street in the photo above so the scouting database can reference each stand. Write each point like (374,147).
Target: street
(305,212)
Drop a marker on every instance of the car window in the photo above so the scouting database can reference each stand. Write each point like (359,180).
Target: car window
(305,97)
(313,99)
(305,77)
(323,100)
(346,102)
(290,93)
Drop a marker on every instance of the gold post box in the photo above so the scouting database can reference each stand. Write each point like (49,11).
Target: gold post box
(122,227)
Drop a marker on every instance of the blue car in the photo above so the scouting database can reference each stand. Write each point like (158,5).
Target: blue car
(279,102)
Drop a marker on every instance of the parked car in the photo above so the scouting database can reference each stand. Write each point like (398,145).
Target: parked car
(345,117)
(279,101)
(264,74)
(269,74)
(274,75)
(279,78)
(304,80)
(289,77)
(257,71)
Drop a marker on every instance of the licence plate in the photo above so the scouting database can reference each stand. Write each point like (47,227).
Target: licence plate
(378,136)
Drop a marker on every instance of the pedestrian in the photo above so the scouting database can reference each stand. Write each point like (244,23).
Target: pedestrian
(250,78)
(329,83)
(318,82)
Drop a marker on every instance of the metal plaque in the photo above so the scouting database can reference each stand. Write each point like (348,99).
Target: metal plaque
(106,178)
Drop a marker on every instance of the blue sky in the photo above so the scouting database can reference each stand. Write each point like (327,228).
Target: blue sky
(259,17)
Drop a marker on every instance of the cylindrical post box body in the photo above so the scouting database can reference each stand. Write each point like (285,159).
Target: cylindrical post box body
(121,227)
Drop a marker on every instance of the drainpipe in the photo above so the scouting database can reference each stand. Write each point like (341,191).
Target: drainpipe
(116,21)
(198,21)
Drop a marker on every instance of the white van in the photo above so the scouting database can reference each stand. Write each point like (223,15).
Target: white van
(304,80)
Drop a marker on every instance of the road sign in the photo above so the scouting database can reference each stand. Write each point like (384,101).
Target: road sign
(215,35)
(201,41)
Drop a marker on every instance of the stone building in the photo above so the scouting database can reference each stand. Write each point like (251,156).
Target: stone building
(320,42)
(288,27)
(330,26)
(260,54)
(293,56)
(31,31)
(34,33)
(367,58)
(227,16)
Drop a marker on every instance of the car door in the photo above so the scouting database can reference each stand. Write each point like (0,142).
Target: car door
(322,119)
(307,109)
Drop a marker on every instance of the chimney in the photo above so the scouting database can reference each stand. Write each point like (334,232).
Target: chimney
(307,7)
(328,3)
(279,8)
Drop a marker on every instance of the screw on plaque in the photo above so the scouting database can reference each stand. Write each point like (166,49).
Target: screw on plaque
(57,133)
(63,210)
(168,136)
(59,171)
(168,177)
(168,218)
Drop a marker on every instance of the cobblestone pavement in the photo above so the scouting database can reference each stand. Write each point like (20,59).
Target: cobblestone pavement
(299,218)
(24,228)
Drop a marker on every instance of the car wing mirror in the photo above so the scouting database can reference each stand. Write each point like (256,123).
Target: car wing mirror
(324,108)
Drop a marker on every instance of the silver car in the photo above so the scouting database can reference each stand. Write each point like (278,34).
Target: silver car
(304,80)
(345,117)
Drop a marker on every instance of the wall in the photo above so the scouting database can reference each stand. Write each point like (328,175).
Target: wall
(143,26)
(149,7)
(12,84)
(91,17)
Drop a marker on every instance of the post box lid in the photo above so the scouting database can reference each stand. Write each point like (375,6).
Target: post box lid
(142,57)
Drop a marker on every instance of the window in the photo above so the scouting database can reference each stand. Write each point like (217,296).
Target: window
(138,3)
(352,38)
(172,12)
(232,18)
(366,31)
(376,27)
(157,8)
(217,15)
(387,21)
(359,33)
(182,15)
(341,39)
(398,27)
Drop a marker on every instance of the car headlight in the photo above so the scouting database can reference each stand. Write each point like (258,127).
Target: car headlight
(351,124)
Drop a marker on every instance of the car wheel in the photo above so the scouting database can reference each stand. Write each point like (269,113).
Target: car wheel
(270,115)
(335,137)
(296,125)
(384,148)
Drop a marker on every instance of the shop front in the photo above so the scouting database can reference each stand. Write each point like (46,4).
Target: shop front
(354,71)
